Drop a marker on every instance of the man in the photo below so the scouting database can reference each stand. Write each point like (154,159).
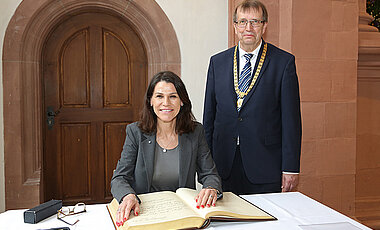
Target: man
(252,110)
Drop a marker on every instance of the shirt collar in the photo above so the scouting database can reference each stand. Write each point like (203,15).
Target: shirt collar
(255,52)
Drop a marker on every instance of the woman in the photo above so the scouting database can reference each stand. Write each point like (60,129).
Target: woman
(164,150)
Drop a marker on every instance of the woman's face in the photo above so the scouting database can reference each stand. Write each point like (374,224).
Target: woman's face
(165,102)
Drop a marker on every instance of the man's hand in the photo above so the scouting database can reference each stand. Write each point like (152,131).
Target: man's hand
(289,182)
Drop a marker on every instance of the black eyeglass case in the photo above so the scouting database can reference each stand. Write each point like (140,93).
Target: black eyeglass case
(42,211)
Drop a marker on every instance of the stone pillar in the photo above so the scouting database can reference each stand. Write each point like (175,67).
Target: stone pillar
(367,197)
(365,18)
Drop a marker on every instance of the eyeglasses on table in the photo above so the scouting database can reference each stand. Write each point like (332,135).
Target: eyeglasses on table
(67,211)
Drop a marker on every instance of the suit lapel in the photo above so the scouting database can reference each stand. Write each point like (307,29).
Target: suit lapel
(230,76)
(265,65)
(185,152)
(147,150)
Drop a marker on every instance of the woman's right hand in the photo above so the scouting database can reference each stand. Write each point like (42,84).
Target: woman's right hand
(129,203)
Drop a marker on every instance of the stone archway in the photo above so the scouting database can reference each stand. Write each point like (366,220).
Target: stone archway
(23,42)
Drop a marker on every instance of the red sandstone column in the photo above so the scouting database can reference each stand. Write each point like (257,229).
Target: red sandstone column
(367,197)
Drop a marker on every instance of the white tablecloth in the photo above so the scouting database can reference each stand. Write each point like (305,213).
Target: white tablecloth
(293,211)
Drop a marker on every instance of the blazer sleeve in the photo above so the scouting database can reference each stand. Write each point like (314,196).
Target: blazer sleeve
(207,173)
(291,119)
(209,109)
(123,175)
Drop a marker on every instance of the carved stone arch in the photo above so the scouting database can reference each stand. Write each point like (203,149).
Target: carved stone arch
(23,43)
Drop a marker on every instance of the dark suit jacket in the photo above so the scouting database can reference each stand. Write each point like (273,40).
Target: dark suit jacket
(268,124)
(134,171)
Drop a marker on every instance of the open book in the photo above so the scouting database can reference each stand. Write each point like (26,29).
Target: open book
(177,210)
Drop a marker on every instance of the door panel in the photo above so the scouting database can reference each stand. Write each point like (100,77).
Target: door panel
(115,85)
(94,72)
(75,160)
(74,71)
(114,136)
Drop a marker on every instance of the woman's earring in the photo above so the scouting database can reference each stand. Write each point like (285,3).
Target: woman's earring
(181,103)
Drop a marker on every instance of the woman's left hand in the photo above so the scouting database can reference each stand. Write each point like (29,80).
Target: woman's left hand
(206,198)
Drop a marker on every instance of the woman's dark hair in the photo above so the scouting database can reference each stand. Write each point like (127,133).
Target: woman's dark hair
(185,118)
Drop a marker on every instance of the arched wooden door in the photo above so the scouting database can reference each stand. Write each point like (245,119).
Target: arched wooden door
(94,75)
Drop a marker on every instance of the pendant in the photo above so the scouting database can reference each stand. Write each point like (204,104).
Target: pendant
(164,150)
(239,102)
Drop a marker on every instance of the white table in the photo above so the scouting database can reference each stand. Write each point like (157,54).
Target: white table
(293,211)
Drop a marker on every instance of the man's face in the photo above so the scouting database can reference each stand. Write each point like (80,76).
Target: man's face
(250,36)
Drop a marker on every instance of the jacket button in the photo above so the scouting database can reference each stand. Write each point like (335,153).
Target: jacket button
(149,142)
(240,119)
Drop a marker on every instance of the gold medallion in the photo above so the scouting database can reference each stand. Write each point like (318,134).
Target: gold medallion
(254,78)
(239,102)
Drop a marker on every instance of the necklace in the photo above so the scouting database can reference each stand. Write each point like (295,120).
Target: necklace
(237,90)
(165,148)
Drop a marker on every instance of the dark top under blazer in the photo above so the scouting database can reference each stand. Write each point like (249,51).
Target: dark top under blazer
(134,171)
(268,124)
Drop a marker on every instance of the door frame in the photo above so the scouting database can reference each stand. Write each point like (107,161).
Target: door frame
(22,84)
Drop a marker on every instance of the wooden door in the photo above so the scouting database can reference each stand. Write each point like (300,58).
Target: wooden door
(94,76)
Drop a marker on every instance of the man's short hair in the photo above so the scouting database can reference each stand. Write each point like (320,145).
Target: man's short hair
(252,4)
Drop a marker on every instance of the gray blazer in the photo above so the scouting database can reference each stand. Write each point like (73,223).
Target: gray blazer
(134,170)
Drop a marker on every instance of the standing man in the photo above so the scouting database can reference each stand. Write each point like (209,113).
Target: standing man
(252,110)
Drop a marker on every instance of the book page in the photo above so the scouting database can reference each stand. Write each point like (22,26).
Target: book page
(160,207)
(230,205)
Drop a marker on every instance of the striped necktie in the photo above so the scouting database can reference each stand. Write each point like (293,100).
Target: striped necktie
(245,74)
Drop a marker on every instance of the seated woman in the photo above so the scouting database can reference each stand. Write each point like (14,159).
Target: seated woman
(164,150)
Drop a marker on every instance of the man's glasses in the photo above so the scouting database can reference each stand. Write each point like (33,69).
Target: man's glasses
(254,22)
(66,211)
